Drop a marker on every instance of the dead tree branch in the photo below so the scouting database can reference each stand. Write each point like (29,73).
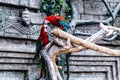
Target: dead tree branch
(49,62)
(76,21)
(86,44)
(94,38)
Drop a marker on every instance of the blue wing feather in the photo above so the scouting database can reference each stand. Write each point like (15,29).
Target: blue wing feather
(65,24)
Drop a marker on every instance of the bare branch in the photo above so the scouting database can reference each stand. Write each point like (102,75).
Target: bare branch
(94,38)
(86,44)
(76,21)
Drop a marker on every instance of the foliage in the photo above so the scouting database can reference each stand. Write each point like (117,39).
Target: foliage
(51,7)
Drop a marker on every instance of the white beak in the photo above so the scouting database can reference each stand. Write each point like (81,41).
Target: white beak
(46,22)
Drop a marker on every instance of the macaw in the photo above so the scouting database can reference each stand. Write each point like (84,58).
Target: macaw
(42,41)
(58,21)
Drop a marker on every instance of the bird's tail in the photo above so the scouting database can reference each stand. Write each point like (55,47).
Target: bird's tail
(43,69)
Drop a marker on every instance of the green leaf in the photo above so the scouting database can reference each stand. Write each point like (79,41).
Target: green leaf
(61,2)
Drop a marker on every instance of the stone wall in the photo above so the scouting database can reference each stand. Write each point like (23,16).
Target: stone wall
(18,42)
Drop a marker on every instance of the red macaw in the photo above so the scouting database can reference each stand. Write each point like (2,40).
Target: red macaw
(42,41)
(58,21)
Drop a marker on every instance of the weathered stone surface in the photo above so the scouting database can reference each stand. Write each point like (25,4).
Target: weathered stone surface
(37,18)
(89,17)
(92,64)
(14,12)
(17,55)
(117,22)
(34,31)
(34,3)
(15,59)
(88,76)
(89,28)
(24,2)
(92,7)
(5,75)
(1,0)
(112,0)
(16,2)
(6,1)
(17,45)
(31,72)
(79,5)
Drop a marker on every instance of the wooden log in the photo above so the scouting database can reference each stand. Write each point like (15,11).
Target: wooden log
(59,33)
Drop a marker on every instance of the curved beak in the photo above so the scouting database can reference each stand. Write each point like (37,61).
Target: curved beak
(46,22)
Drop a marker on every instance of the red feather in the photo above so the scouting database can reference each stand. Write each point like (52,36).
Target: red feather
(43,36)
(54,20)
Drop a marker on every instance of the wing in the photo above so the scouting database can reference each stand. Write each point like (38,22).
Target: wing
(64,24)
(39,44)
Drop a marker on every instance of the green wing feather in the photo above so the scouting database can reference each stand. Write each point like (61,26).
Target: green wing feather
(39,45)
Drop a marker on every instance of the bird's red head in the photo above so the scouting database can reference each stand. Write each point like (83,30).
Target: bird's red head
(54,20)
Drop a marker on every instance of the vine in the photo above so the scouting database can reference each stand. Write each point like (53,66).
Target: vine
(52,7)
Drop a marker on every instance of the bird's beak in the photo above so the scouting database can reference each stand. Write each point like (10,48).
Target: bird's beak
(46,22)
(45,28)
(46,25)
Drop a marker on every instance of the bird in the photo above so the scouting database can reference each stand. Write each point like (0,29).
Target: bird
(58,21)
(61,23)
(41,42)
(43,38)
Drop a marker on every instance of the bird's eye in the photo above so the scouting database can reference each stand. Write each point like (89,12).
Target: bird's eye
(48,23)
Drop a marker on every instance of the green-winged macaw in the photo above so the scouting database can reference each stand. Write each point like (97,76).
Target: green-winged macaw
(60,22)
(42,41)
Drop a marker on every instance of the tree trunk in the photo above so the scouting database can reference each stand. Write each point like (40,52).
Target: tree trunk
(49,62)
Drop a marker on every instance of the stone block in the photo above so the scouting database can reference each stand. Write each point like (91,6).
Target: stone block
(35,31)
(16,55)
(97,8)
(1,0)
(88,76)
(34,3)
(36,18)
(16,2)
(79,5)
(89,28)
(13,75)
(17,45)
(24,2)
(90,63)
(112,1)
(89,17)
(15,12)
(6,1)
(117,22)
(113,5)
(31,72)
